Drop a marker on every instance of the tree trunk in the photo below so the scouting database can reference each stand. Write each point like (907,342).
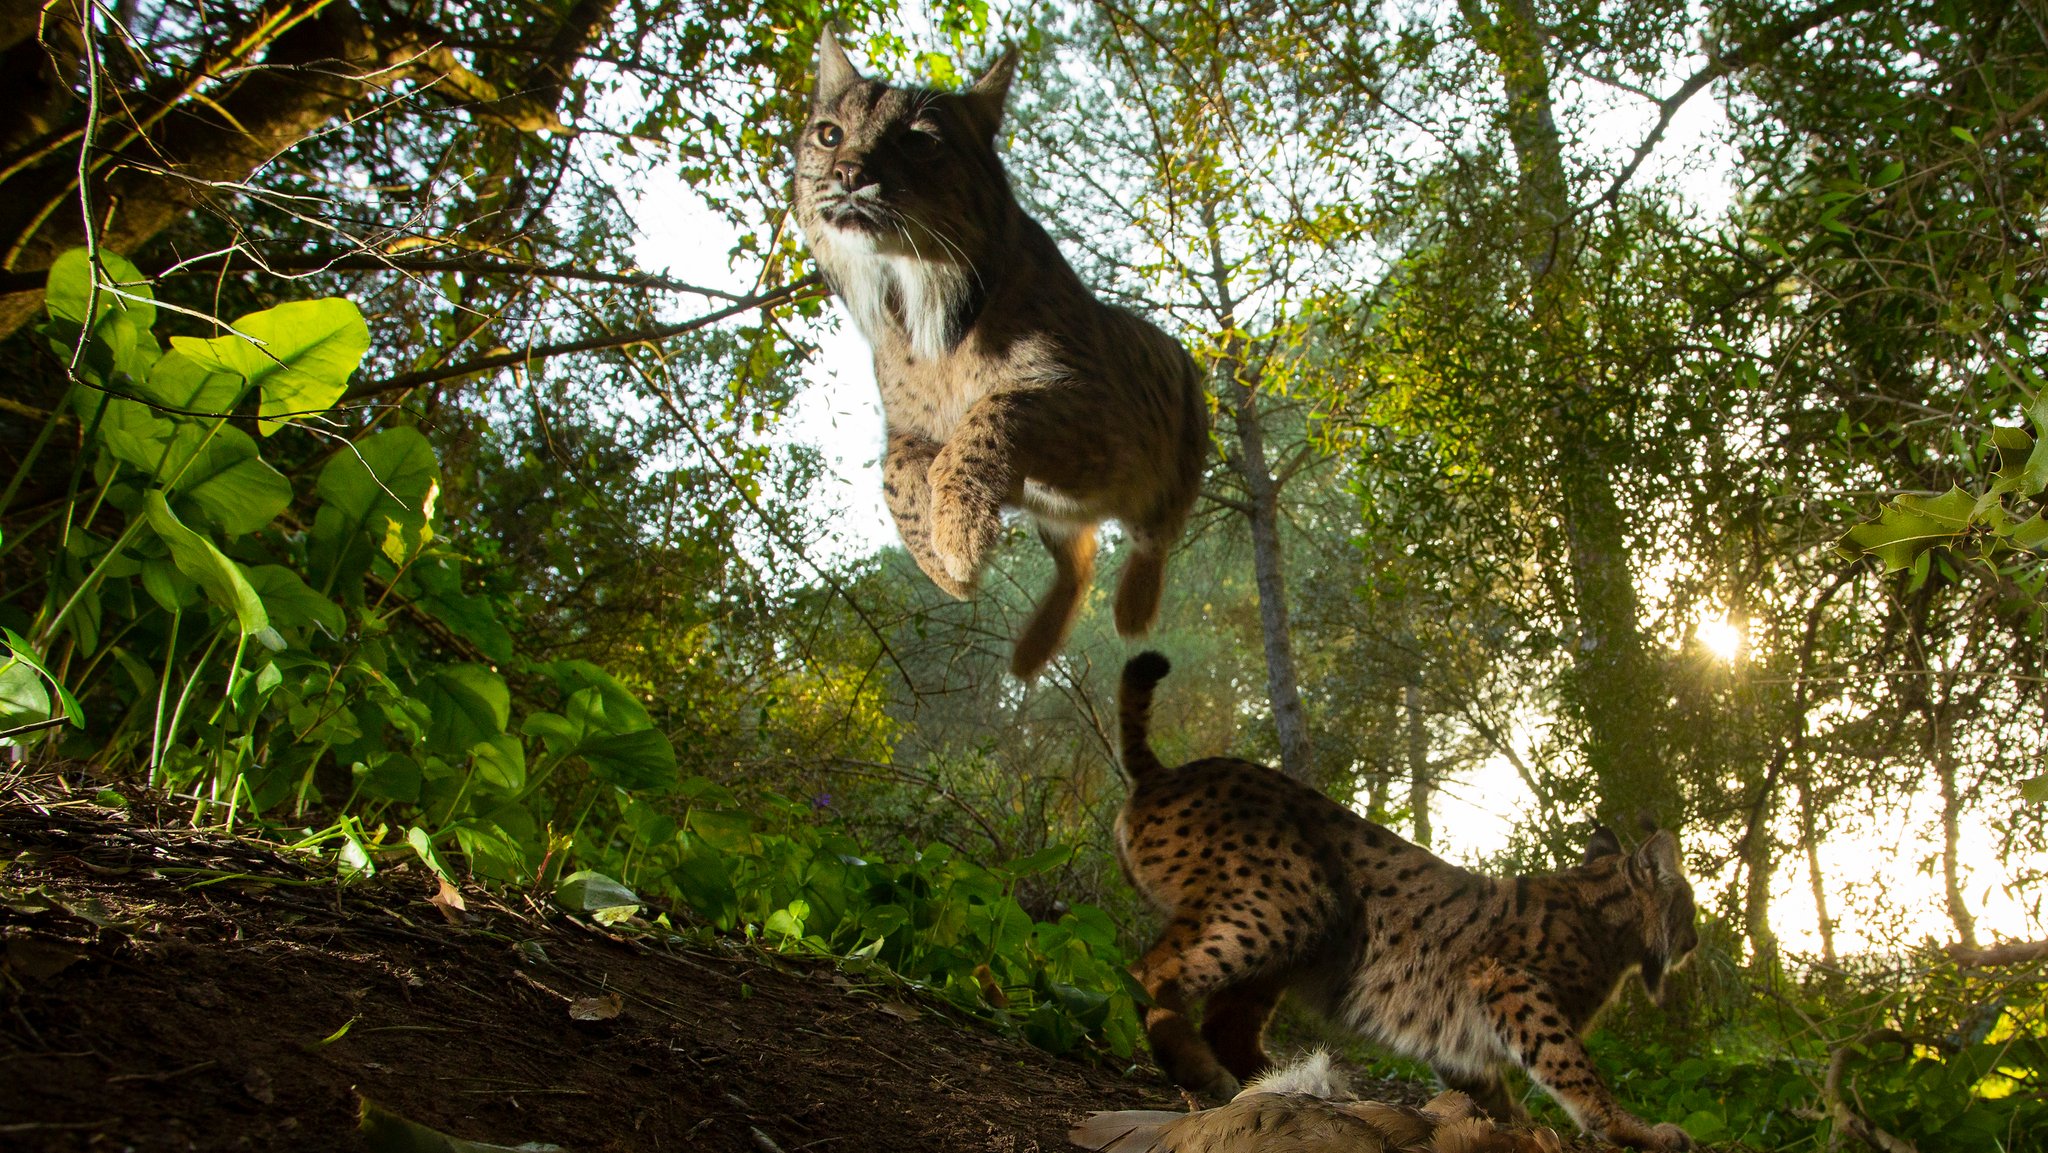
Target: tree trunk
(1951,830)
(1420,782)
(1814,878)
(1238,386)
(1615,685)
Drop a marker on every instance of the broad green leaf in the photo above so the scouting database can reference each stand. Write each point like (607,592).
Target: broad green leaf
(232,486)
(178,381)
(303,355)
(23,699)
(1909,526)
(384,486)
(197,558)
(466,703)
(2034,790)
(706,885)
(168,587)
(292,603)
(70,286)
(391,777)
(423,848)
(586,891)
(138,435)
(20,651)
(501,762)
(621,707)
(641,761)
(2031,533)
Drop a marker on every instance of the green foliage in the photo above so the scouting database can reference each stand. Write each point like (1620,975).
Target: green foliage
(762,864)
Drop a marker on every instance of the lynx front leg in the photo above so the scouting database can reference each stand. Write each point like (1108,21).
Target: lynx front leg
(971,478)
(1535,1033)
(1175,973)
(1073,559)
(906,486)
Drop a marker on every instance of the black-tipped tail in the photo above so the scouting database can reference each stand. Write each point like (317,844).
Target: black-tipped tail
(1134,711)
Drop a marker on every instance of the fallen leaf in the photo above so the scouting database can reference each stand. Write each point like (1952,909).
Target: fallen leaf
(449,901)
(386,1132)
(39,960)
(596,1008)
(900,1010)
(256,1083)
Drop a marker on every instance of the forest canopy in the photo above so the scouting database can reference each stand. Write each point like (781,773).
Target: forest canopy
(1619,411)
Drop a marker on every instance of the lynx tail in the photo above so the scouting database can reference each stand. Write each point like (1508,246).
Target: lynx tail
(1134,711)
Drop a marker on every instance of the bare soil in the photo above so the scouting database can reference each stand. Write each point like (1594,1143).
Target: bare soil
(166,988)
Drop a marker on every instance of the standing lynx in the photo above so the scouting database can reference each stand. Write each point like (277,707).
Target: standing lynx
(1269,887)
(1004,381)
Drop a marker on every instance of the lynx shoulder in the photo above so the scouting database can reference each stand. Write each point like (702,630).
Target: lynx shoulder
(1269,887)
(1004,381)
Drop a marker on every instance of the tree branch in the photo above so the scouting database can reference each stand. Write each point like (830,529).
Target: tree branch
(1764,45)
(787,294)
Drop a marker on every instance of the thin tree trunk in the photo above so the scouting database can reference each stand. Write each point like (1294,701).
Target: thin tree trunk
(1951,831)
(1615,684)
(1420,781)
(1814,878)
(1238,383)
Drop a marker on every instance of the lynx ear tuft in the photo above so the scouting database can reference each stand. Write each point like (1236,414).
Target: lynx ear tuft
(835,72)
(985,97)
(1603,843)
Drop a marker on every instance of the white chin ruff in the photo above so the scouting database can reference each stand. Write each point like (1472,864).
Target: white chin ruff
(1314,1074)
(926,292)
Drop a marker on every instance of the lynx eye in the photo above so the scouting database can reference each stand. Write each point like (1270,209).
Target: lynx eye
(829,135)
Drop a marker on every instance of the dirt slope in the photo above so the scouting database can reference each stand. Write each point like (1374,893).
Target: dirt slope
(164,989)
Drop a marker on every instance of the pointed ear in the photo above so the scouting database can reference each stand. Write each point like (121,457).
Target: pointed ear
(1603,843)
(835,72)
(985,97)
(1658,857)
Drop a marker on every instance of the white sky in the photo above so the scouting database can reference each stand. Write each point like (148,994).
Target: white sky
(1876,871)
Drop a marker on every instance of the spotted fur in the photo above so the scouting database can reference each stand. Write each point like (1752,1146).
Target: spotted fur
(1269,887)
(1004,382)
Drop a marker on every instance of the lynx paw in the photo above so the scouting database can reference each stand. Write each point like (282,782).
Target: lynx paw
(1672,1139)
(962,537)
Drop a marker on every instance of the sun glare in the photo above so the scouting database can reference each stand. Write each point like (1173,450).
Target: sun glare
(1720,637)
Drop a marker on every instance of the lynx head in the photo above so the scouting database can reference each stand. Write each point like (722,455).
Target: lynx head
(1655,914)
(900,193)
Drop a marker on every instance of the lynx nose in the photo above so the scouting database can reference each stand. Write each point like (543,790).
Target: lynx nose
(850,175)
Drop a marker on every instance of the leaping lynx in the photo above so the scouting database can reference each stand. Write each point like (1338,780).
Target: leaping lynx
(1271,887)
(1004,381)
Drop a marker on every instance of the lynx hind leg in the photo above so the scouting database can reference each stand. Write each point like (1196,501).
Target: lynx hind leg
(970,479)
(906,487)
(1073,561)
(1534,1031)
(1187,964)
(1234,1025)
(1140,586)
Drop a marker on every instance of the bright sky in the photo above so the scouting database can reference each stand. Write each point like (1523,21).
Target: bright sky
(1877,872)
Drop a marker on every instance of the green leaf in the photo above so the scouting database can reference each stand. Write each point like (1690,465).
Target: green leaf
(705,884)
(178,381)
(1046,859)
(386,1132)
(586,891)
(423,848)
(466,703)
(391,777)
(232,486)
(121,324)
(384,486)
(640,761)
(301,356)
(501,762)
(1909,526)
(292,603)
(23,653)
(2034,790)
(23,699)
(197,558)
